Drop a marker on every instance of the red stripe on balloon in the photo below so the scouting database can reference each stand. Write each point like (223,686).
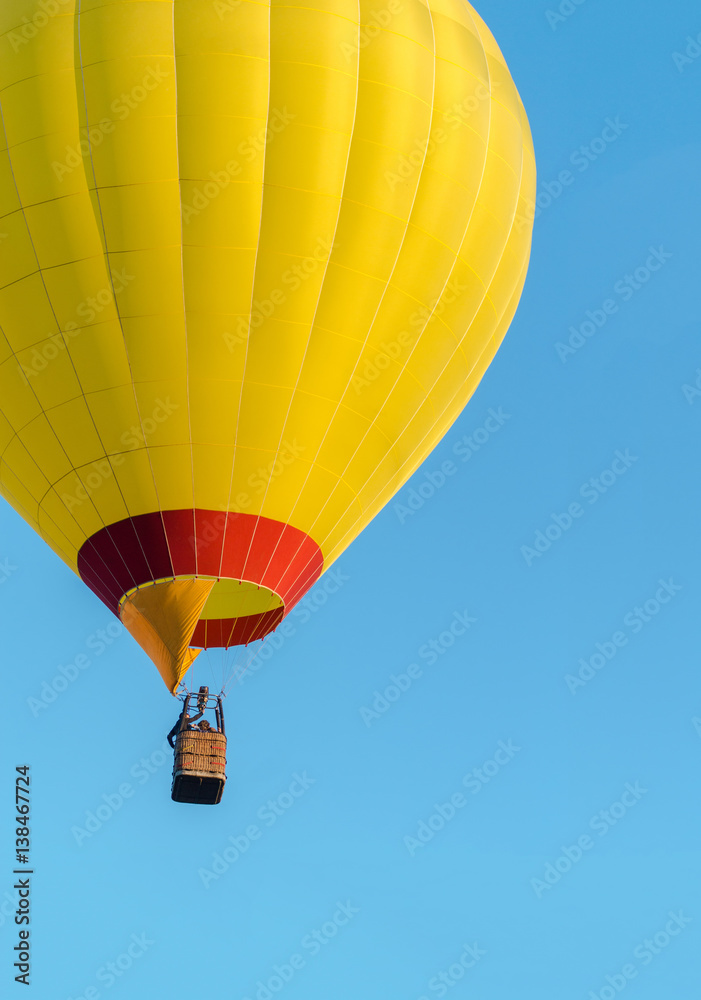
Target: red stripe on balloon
(236,631)
(149,547)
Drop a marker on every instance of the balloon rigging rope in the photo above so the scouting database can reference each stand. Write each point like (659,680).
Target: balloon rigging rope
(231,671)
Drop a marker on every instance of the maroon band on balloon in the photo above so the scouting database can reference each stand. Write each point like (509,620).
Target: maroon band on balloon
(166,544)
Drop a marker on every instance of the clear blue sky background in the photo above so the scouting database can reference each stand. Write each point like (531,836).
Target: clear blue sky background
(504,680)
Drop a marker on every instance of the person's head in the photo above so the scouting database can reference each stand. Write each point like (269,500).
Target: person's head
(204,725)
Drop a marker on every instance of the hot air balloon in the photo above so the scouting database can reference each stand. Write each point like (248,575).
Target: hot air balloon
(255,259)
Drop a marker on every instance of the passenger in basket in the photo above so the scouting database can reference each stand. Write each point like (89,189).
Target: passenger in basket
(176,728)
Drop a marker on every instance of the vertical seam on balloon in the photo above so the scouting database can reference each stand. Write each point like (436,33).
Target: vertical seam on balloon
(114,296)
(182,271)
(81,529)
(16,432)
(231,633)
(258,627)
(118,586)
(4,461)
(4,488)
(234,621)
(253,282)
(387,284)
(316,309)
(102,594)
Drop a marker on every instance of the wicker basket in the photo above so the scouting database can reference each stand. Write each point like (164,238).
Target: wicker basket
(199,768)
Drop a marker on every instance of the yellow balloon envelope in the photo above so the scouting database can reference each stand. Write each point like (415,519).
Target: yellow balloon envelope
(254,261)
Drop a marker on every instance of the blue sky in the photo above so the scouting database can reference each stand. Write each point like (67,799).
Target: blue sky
(525,812)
